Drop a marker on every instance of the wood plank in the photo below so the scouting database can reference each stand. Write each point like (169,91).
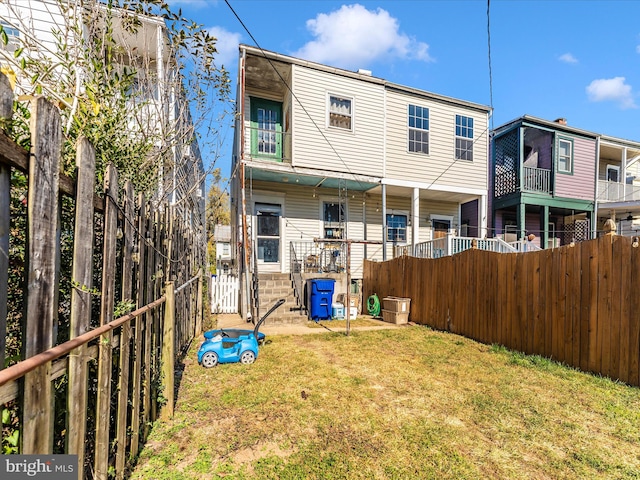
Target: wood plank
(588,301)
(43,273)
(634,307)
(138,334)
(168,352)
(605,297)
(149,320)
(125,332)
(6,112)
(103,405)
(570,278)
(5,225)
(555,321)
(619,257)
(82,276)
(626,314)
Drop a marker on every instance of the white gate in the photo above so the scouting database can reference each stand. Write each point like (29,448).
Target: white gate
(224,293)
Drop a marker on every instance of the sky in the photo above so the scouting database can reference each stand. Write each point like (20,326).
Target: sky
(575,59)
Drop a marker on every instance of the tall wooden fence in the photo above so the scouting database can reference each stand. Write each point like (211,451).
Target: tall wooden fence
(579,304)
(85,382)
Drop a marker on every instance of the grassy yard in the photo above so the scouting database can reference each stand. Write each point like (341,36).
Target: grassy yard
(407,403)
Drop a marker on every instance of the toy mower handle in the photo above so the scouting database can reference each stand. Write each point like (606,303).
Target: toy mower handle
(264,317)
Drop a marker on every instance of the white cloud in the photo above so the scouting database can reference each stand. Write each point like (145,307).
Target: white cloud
(353,37)
(568,58)
(611,89)
(227,46)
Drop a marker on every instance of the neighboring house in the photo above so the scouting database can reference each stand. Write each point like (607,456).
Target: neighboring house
(224,260)
(38,25)
(557,182)
(323,155)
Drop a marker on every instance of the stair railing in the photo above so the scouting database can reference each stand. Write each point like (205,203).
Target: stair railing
(295,269)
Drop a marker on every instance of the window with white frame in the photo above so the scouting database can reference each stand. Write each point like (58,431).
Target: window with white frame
(396,228)
(565,156)
(613,173)
(464,138)
(340,112)
(418,120)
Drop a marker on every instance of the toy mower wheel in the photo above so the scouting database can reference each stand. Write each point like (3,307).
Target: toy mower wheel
(247,357)
(209,360)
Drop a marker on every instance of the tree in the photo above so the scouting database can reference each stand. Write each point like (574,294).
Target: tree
(218,212)
(136,78)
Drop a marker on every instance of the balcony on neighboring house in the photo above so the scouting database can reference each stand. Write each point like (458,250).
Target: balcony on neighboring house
(618,192)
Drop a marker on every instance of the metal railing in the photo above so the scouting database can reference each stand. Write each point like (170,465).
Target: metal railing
(295,267)
(318,257)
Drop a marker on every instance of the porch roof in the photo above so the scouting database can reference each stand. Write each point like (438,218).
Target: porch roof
(287,174)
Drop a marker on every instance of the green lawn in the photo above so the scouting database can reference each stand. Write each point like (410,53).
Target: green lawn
(407,403)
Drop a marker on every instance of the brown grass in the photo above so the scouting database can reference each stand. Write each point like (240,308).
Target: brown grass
(403,403)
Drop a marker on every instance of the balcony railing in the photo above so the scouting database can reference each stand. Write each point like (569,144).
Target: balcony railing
(536,180)
(450,245)
(617,192)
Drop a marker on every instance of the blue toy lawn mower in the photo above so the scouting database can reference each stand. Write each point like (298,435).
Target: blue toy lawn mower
(233,345)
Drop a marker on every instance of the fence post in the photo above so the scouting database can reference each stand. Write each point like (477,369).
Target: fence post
(6,110)
(168,351)
(106,315)
(125,333)
(81,299)
(42,277)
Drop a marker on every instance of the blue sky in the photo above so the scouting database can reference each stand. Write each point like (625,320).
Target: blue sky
(576,59)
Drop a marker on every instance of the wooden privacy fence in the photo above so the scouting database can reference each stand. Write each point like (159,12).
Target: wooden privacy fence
(85,382)
(575,304)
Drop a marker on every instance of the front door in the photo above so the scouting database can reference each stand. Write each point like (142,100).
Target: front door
(268,236)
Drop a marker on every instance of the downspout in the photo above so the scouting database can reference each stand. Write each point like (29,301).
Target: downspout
(245,238)
(384,222)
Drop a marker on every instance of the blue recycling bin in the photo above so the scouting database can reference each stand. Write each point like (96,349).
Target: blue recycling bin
(319,298)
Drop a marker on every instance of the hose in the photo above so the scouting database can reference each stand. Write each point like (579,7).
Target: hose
(373,305)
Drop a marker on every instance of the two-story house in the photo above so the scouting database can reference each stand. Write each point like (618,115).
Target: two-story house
(556,183)
(324,155)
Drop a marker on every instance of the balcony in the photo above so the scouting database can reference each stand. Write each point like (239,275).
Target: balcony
(617,192)
(534,180)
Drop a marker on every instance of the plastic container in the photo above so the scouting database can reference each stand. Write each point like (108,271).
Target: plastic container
(353,313)
(337,311)
(320,297)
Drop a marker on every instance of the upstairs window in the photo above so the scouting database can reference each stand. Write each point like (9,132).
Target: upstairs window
(396,228)
(565,156)
(464,138)
(340,112)
(266,128)
(418,129)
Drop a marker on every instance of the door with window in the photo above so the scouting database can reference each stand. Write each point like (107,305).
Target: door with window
(266,129)
(268,241)
(441,228)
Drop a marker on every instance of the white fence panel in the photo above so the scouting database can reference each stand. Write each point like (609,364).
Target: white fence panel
(224,293)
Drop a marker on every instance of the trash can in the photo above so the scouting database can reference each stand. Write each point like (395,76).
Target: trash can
(319,298)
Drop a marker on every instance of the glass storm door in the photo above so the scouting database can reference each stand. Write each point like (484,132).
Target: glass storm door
(268,236)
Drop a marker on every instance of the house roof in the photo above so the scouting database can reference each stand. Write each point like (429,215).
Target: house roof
(555,125)
(363,75)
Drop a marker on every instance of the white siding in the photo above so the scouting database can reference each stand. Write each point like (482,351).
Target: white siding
(439,165)
(315,145)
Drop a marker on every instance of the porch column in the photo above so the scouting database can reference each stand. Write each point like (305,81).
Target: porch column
(544,222)
(520,220)
(482,216)
(415,218)
(384,222)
